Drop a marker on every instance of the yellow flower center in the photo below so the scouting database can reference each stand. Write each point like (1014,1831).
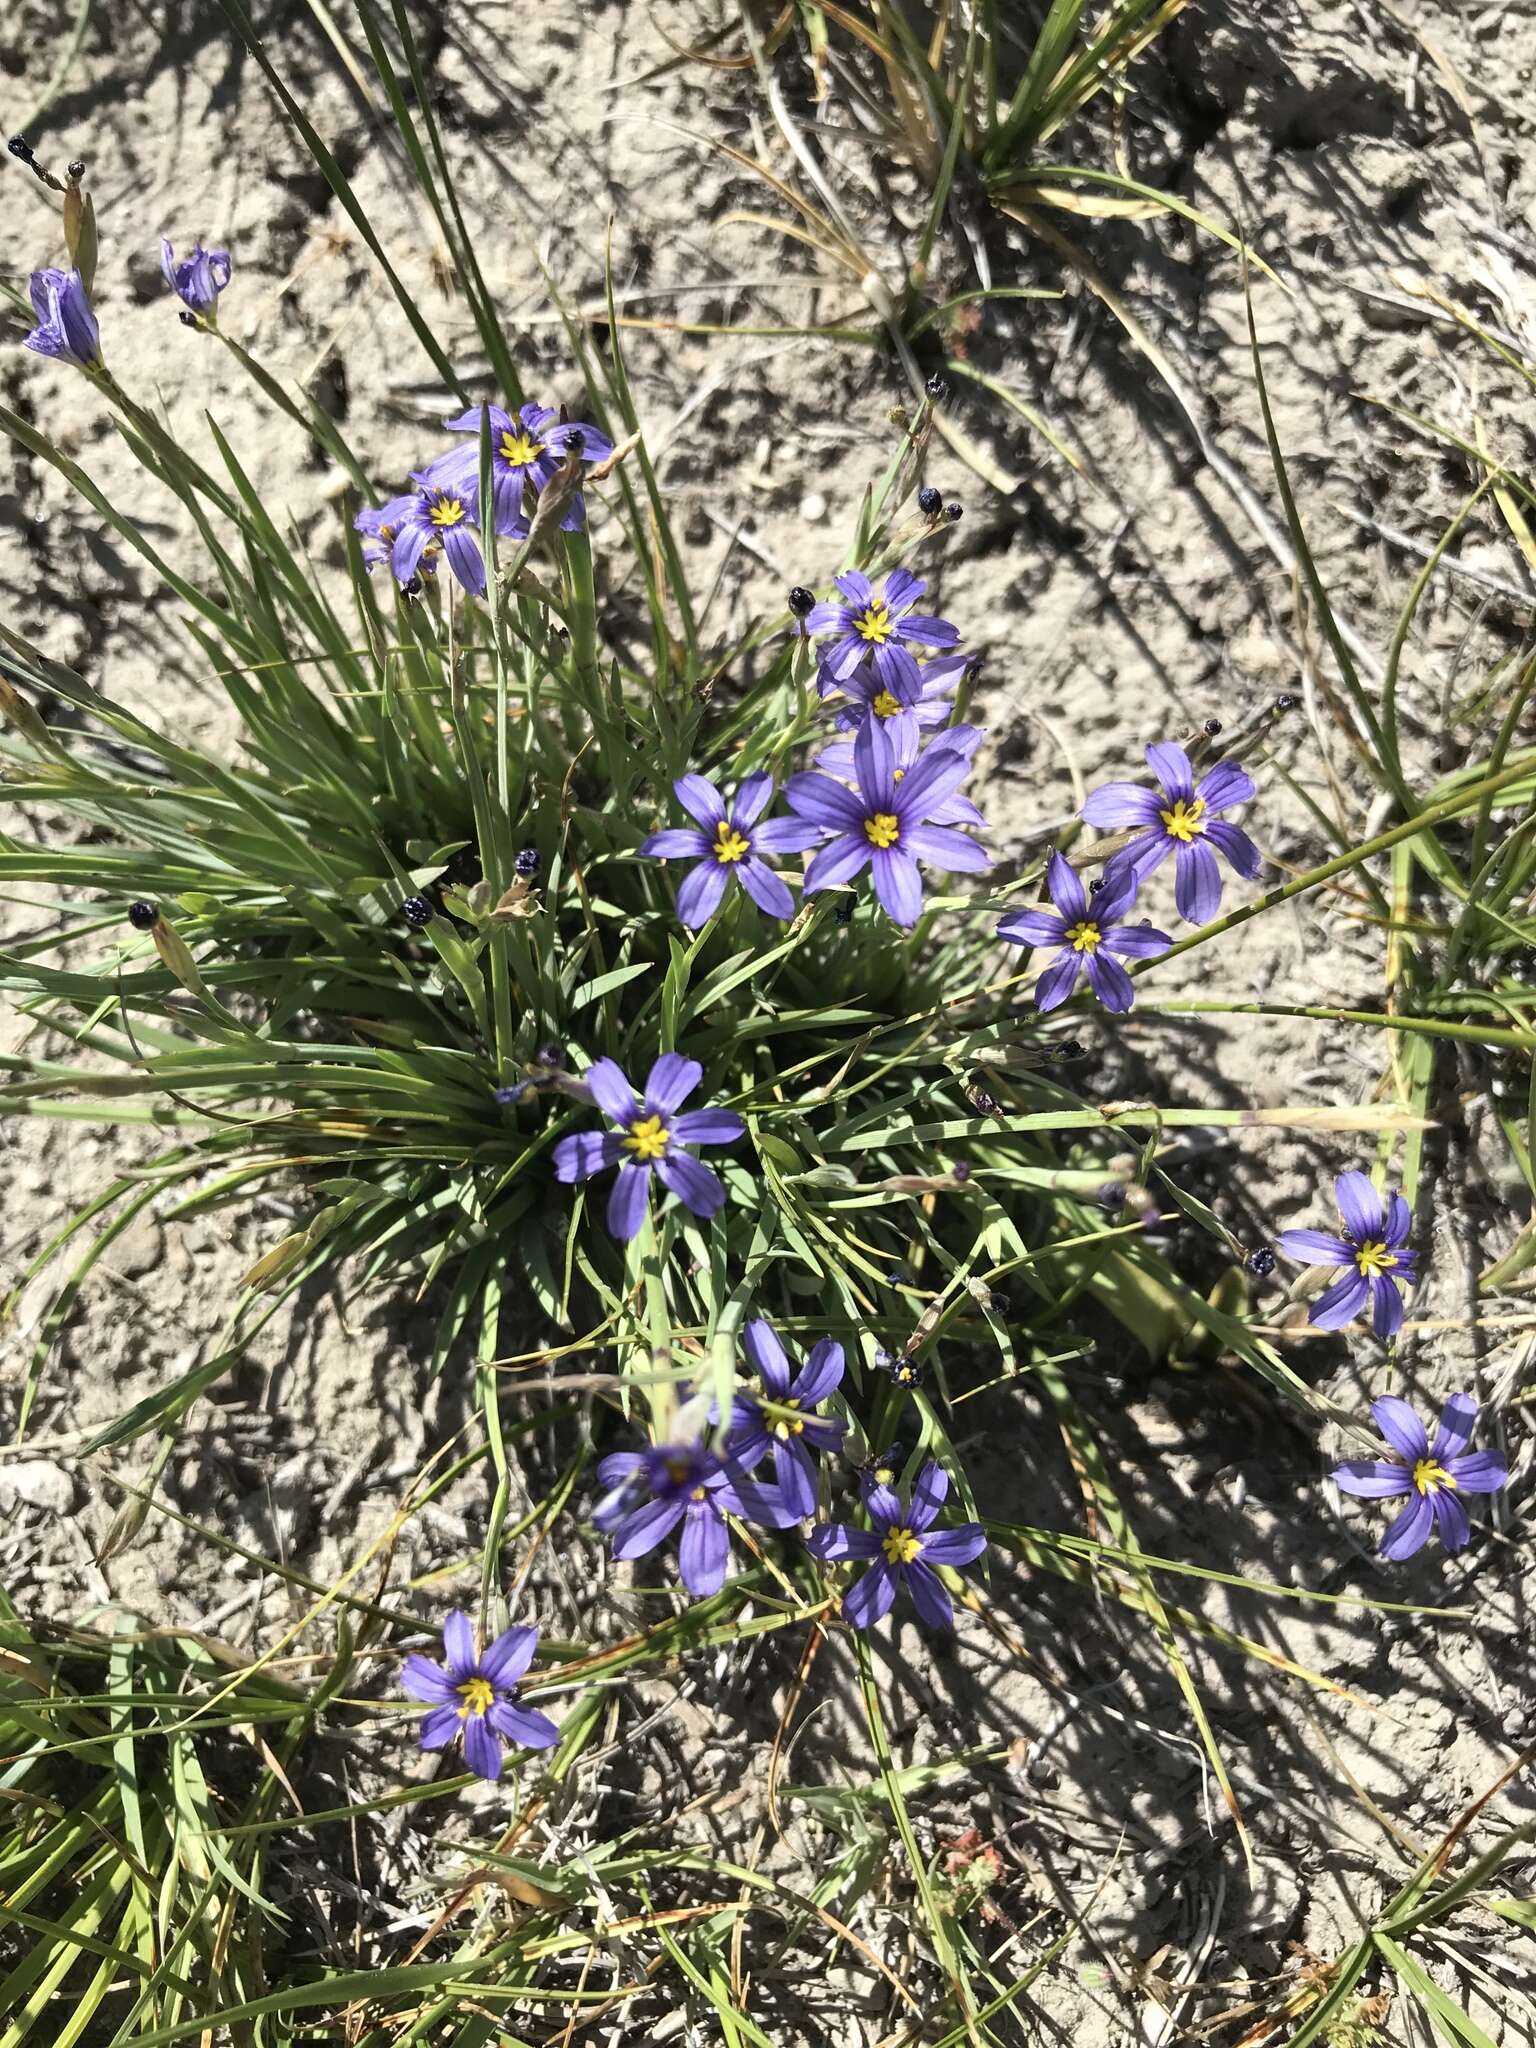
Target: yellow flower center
(698,1493)
(874,624)
(448,512)
(1372,1257)
(789,1426)
(519,449)
(1185,821)
(882,829)
(478,1697)
(1082,938)
(885,705)
(901,1546)
(1428,1476)
(729,843)
(647,1138)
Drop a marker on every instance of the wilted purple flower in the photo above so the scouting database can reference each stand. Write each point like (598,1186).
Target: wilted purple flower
(197,279)
(527,447)
(475,1695)
(906,740)
(438,518)
(1088,931)
(790,1438)
(730,845)
(1431,1477)
(66,327)
(1373,1247)
(380,527)
(905,1546)
(649,1135)
(880,630)
(1180,819)
(687,1483)
(886,822)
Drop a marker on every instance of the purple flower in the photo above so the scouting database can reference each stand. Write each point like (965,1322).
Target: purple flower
(729,847)
(905,1546)
(905,735)
(66,327)
(914,707)
(474,1695)
(197,279)
(527,447)
(380,527)
(879,630)
(1373,1247)
(687,1483)
(435,518)
(790,1438)
(1180,819)
(1088,932)
(649,1135)
(1432,1479)
(886,822)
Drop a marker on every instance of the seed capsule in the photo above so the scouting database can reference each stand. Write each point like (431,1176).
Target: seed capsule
(930,501)
(802,602)
(1260,1261)
(143,916)
(416,911)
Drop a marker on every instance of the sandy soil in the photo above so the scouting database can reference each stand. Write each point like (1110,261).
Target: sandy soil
(1366,152)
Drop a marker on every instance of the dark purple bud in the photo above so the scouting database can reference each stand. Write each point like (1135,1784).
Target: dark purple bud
(1285,701)
(930,502)
(954,511)
(846,908)
(507,1096)
(1212,727)
(416,911)
(1112,1195)
(802,602)
(410,589)
(1096,885)
(985,1104)
(77,169)
(551,1054)
(960,1170)
(143,916)
(936,388)
(1260,1261)
(527,863)
(20,148)
(896,1278)
(575,440)
(189,320)
(1071,1049)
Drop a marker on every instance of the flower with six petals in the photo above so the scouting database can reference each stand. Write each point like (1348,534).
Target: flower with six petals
(1181,818)
(474,1695)
(649,1492)
(758,1429)
(1432,1476)
(1373,1249)
(1089,930)
(904,1547)
(650,1136)
(879,628)
(527,449)
(728,846)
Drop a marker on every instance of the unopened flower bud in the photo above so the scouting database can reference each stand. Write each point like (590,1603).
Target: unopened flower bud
(551,1054)
(1212,727)
(77,169)
(20,148)
(1261,1261)
(954,511)
(416,911)
(1285,701)
(1071,1049)
(526,864)
(960,1171)
(143,916)
(188,319)
(930,502)
(802,602)
(936,388)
